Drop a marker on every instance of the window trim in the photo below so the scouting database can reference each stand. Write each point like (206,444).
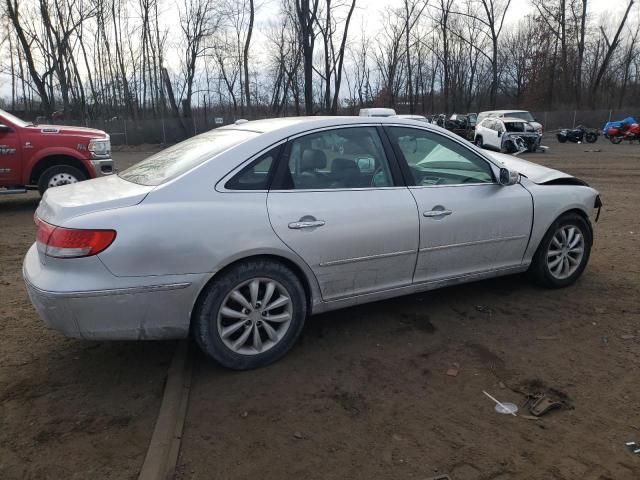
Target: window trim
(278,183)
(406,170)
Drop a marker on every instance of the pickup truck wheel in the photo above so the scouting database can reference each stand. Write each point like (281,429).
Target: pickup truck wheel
(59,175)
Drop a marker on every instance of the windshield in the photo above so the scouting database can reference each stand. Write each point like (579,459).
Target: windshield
(523,115)
(13,119)
(182,157)
(518,127)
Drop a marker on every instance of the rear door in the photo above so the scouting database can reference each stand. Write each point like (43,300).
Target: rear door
(10,160)
(338,203)
(469,223)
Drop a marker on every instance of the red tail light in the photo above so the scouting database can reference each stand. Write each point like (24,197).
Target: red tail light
(71,242)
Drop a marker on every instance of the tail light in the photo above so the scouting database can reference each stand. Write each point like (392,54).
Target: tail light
(62,242)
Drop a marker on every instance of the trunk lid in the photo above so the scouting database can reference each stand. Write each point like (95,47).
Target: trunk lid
(534,172)
(59,204)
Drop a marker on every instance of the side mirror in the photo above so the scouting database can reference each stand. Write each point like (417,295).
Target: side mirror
(4,128)
(508,177)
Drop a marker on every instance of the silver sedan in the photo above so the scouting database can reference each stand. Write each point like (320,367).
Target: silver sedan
(237,235)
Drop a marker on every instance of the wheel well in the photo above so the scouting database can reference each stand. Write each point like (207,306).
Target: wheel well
(275,258)
(52,161)
(584,215)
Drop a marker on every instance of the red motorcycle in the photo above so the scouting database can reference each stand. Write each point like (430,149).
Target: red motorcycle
(628,131)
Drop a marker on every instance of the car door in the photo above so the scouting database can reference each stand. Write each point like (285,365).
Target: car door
(491,130)
(468,222)
(338,203)
(10,164)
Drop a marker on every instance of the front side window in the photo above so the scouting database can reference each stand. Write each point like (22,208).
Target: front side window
(437,160)
(338,158)
(182,157)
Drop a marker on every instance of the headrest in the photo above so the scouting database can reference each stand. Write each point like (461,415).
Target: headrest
(312,160)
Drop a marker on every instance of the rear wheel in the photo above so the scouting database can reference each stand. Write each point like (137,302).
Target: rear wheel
(563,253)
(562,138)
(59,175)
(251,315)
(591,138)
(616,139)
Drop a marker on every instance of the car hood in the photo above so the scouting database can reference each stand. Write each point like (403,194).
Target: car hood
(68,130)
(59,204)
(534,172)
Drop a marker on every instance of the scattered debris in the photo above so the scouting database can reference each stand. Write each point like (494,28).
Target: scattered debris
(484,309)
(634,447)
(529,417)
(547,337)
(299,436)
(440,477)
(627,337)
(504,408)
(244,414)
(596,150)
(543,405)
(453,370)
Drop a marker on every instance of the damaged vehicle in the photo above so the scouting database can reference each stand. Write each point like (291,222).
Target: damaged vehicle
(510,135)
(237,235)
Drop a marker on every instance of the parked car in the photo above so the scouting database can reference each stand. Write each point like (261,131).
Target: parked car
(377,112)
(473,119)
(522,114)
(418,118)
(506,134)
(43,156)
(240,233)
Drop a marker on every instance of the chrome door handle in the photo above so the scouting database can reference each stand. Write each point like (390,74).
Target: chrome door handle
(306,224)
(437,213)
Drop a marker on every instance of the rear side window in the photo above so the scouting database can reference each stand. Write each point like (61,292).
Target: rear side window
(182,157)
(257,175)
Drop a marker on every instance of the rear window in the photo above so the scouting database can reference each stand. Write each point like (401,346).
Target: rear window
(182,157)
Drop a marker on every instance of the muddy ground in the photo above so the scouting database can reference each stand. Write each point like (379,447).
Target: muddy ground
(365,393)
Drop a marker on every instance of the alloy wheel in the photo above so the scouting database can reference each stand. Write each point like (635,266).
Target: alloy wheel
(61,179)
(254,316)
(565,252)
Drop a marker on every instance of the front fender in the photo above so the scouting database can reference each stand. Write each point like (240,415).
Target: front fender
(550,202)
(43,153)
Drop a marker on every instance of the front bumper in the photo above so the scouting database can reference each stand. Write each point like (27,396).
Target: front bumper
(155,308)
(102,167)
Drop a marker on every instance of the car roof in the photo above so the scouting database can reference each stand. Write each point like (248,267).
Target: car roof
(513,119)
(288,126)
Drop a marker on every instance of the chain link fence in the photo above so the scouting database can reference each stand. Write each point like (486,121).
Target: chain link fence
(166,131)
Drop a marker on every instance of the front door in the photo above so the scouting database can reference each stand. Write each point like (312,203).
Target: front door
(468,222)
(10,165)
(340,207)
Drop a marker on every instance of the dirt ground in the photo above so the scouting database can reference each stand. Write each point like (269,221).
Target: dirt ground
(365,393)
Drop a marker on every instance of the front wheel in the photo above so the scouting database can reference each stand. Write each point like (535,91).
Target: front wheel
(59,175)
(251,315)
(616,140)
(563,253)
(591,138)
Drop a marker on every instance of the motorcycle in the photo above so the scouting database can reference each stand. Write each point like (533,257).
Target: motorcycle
(626,131)
(577,135)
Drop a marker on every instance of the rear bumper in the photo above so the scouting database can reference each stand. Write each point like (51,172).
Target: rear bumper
(102,167)
(156,308)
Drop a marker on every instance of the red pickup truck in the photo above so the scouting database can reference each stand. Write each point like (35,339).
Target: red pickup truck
(43,156)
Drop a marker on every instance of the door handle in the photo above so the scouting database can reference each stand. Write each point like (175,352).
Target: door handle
(437,213)
(306,224)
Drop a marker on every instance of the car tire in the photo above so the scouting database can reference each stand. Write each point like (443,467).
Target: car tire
(59,175)
(478,141)
(558,263)
(219,309)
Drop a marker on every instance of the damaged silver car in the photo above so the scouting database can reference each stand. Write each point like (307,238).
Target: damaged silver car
(237,235)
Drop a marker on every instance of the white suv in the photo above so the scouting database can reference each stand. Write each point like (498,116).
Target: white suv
(504,134)
(521,114)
